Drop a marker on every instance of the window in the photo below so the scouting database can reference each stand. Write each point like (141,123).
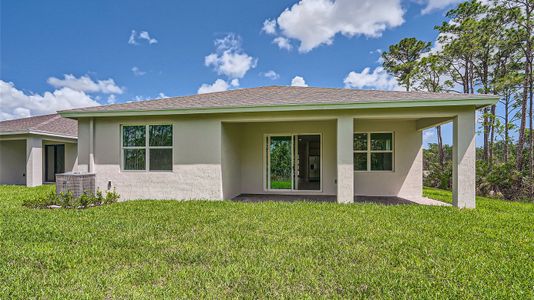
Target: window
(147,147)
(373,151)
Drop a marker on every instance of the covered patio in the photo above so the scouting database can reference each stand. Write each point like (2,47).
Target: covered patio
(383,200)
(357,156)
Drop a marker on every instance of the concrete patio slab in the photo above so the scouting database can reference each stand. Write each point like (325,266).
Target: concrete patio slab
(384,200)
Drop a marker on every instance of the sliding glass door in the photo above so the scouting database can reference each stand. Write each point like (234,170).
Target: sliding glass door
(280,162)
(293,162)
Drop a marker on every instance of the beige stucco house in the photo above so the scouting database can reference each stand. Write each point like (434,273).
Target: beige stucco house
(275,140)
(33,150)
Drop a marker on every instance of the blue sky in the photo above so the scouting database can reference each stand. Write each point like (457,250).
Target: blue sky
(63,54)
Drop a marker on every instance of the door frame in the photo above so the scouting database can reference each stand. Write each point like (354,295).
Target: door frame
(266,163)
(47,149)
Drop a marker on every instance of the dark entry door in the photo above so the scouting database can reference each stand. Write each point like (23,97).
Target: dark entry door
(54,161)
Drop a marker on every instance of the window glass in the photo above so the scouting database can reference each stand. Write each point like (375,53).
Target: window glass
(133,136)
(381,161)
(381,141)
(160,159)
(360,141)
(134,159)
(160,135)
(360,161)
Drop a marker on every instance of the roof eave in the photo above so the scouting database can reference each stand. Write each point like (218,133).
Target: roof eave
(38,132)
(477,102)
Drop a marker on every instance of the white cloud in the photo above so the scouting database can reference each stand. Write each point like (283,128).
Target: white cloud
(271,74)
(377,79)
(85,84)
(218,86)
(269,26)
(132,40)
(162,95)
(15,103)
(433,5)
(229,58)
(143,35)
(282,43)
(298,81)
(317,22)
(111,99)
(137,72)
(146,36)
(234,82)
(429,136)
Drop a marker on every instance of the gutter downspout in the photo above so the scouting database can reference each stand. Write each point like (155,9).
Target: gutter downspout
(91,166)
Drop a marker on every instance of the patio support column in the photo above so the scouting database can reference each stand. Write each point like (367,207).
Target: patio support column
(91,166)
(345,157)
(34,161)
(464,160)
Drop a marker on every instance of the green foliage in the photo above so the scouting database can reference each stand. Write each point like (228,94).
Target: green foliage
(280,156)
(224,249)
(67,200)
(402,59)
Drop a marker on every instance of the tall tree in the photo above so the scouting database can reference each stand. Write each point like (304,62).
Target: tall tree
(432,71)
(401,60)
(522,22)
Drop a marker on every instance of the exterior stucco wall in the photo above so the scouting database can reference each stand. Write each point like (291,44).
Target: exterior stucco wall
(231,160)
(13,162)
(253,160)
(406,180)
(196,170)
(83,145)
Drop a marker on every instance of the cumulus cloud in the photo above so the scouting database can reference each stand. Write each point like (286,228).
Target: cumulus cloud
(317,22)
(135,38)
(15,103)
(218,86)
(282,43)
(271,74)
(429,136)
(377,79)
(298,81)
(137,72)
(85,84)
(269,26)
(433,5)
(229,59)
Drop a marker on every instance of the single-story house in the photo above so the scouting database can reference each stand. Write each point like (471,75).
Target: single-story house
(276,140)
(33,150)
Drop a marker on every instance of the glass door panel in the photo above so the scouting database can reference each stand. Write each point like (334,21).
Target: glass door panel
(280,162)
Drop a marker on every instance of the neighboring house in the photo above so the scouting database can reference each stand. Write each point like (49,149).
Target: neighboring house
(33,150)
(275,140)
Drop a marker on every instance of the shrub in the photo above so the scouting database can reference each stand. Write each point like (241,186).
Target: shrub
(67,200)
(111,197)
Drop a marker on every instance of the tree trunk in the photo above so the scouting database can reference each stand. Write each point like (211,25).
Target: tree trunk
(506,121)
(522,125)
(492,136)
(440,148)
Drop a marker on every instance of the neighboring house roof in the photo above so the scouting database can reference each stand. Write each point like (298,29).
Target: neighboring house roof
(279,98)
(53,124)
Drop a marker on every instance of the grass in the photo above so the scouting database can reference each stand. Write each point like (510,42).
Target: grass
(166,249)
(281,185)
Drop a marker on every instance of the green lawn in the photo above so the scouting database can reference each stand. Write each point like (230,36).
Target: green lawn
(147,249)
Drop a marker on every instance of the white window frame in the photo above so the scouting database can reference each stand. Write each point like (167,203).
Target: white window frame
(147,148)
(267,165)
(369,151)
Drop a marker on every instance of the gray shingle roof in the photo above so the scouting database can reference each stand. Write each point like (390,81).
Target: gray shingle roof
(277,96)
(46,124)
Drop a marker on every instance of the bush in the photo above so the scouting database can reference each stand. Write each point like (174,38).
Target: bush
(67,200)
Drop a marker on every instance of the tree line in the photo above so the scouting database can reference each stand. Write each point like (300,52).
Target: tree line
(481,49)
